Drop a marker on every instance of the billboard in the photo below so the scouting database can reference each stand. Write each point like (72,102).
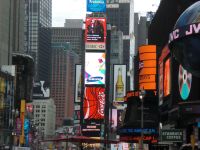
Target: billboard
(41,90)
(167,77)
(114,120)
(95,33)
(94,103)
(78,83)
(95,68)
(147,67)
(119,83)
(96,5)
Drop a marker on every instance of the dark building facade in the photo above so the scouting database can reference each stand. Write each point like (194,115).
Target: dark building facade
(177,88)
(38,17)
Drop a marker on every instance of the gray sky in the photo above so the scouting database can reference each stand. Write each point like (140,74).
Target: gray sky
(76,9)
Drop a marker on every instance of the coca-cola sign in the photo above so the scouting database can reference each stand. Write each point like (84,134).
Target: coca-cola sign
(94,103)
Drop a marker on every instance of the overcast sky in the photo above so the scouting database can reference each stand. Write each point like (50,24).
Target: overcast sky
(76,9)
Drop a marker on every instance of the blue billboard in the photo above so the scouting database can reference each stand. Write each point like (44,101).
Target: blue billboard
(96,5)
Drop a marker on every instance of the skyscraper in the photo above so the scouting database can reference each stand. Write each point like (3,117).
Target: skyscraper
(71,32)
(38,18)
(62,80)
(11,29)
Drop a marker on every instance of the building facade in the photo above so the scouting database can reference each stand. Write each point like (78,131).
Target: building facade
(44,116)
(38,18)
(72,33)
(121,15)
(11,29)
(63,80)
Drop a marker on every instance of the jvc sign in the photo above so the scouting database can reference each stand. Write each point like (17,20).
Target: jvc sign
(172,135)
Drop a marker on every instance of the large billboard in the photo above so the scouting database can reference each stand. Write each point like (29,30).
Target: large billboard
(94,103)
(95,33)
(95,68)
(147,67)
(41,90)
(78,84)
(119,83)
(96,5)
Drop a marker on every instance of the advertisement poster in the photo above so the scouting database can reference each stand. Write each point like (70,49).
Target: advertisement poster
(119,83)
(95,68)
(95,33)
(41,90)
(94,103)
(96,5)
(78,83)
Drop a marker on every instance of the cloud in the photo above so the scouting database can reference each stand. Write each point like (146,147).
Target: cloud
(76,9)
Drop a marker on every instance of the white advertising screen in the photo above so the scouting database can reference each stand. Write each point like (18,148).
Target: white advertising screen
(95,68)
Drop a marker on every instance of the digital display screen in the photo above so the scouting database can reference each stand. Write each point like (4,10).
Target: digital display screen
(94,103)
(167,77)
(95,33)
(96,5)
(95,68)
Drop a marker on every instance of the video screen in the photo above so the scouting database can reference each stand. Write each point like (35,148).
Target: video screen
(95,68)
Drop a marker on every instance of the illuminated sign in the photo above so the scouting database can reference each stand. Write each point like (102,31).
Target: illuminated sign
(95,33)
(95,68)
(96,5)
(147,67)
(184,31)
(172,135)
(119,83)
(167,77)
(29,107)
(137,131)
(94,103)
(151,138)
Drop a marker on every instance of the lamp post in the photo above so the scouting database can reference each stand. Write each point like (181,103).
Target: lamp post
(142,94)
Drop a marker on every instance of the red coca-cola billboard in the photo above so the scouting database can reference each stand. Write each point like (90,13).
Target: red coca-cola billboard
(94,103)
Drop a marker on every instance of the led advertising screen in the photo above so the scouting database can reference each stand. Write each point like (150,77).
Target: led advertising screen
(119,83)
(147,67)
(167,77)
(96,5)
(78,83)
(95,68)
(94,103)
(95,33)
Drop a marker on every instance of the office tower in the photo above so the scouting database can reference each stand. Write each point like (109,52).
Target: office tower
(11,29)
(38,18)
(72,33)
(62,80)
(44,116)
(120,14)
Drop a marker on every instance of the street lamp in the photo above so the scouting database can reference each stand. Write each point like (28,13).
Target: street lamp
(142,94)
